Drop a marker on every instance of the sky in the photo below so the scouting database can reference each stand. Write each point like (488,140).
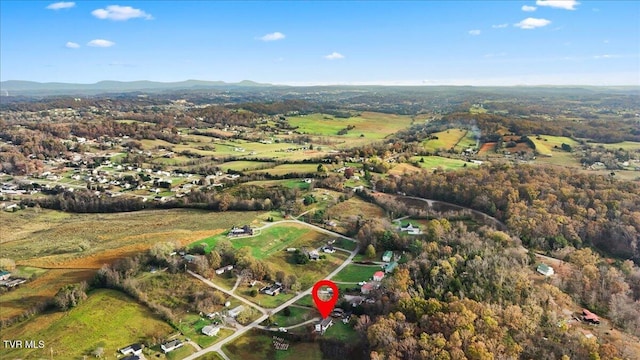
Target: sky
(536,42)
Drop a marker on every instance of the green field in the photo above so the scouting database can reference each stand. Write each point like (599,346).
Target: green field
(371,125)
(356,273)
(107,319)
(210,356)
(298,315)
(445,139)
(191,326)
(258,345)
(345,244)
(626,145)
(288,183)
(341,331)
(431,162)
(306,300)
(274,239)
(241,165)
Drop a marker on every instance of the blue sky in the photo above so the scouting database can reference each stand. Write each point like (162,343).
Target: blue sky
(322,42)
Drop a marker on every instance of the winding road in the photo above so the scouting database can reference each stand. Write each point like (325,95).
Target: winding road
(217,347)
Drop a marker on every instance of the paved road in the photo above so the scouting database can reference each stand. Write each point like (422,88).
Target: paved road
(208,282)
(217,347)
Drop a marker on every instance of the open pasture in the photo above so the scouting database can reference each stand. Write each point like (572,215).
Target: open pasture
(370,124)
(107,319)
(53,239)
(433,162)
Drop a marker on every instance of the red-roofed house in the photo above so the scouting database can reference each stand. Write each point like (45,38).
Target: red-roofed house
(378,276)
(590,317)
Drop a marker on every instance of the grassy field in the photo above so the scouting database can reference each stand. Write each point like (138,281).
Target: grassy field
(210,356)
(258,345)
(107,319)
(626,145)
(288,183)
(191,326)
(431,162)
(297,316)
(306,300)
(39,290)
(341,331)
(356,273)
(357,207)
(266,301)
(345,244)
(403,168)
(245,165)
(53,239)
(371,125)
(445,139)
(271,240)
(290,169)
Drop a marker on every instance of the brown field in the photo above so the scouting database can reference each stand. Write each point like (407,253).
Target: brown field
(402,168)
(487,148)
(357,207)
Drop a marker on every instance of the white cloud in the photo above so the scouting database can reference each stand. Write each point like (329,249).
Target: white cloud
(607,56)
(528,8)
(72,45)
(474,32)
(559,4)
(532,23)
(334,56)
(120,13)
(100,43)
(61,5)
(273,36)
(499,26)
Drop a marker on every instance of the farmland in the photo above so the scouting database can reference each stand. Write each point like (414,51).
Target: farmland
(434,162)
(107,319)
(53,239)
(457,139)
(371,125)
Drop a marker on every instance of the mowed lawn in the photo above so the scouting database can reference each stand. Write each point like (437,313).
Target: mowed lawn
(298,315)
(107,319)
(431,162)
(242,165)
(356,273)
(258,345)
(370,124)
(271,240)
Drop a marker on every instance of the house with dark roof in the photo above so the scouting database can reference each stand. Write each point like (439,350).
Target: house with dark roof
(133,349)
(246,230)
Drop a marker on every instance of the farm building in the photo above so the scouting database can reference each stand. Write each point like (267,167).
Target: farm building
(378,276)
(545,269)
(588,316)
(243,231)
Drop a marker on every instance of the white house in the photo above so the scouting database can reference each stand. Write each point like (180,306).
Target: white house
(211,330)
(133,349)
(236,311)
(322,326)
(411,230)
(171,345)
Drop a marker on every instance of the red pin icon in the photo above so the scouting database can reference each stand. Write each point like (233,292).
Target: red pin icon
(325,306)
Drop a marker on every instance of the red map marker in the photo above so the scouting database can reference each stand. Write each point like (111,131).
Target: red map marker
(325,306)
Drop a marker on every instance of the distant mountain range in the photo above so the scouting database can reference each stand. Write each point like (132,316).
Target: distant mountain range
(19,87)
